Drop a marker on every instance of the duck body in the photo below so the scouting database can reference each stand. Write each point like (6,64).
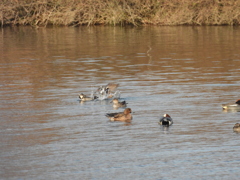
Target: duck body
(117,103)
(236,127)
(108,91)
(83,97)
(109,88)
(166,120)
(121,116)
(235,106)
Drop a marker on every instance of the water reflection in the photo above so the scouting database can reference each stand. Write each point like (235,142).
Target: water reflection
(118,124)
(187,72)
(236,131)
(231,110)
(165,129)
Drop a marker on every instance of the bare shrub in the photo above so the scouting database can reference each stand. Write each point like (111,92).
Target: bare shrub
(119,12)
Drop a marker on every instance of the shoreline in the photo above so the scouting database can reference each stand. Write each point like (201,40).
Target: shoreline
(119,12)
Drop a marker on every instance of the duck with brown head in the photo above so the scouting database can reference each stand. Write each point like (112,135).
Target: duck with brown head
(236,127)
(166,120)
(121,116)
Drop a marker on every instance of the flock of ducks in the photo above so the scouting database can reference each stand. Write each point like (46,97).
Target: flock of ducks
(109,92)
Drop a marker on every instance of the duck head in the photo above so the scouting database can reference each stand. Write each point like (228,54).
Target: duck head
(127,111)
(81,96)
(114,101)
(237,125)
(166,115)
(238,102)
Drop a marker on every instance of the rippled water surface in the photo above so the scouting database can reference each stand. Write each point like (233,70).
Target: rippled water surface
(187,72)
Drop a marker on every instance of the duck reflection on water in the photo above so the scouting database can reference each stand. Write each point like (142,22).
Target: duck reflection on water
(165,129)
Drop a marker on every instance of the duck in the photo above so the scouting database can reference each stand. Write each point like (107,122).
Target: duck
(236,127)
(83,97)
(112,87)
(109,88)
(235,106)
(102,90)
(108,91)
(117,103)
(166,120)
(124,116)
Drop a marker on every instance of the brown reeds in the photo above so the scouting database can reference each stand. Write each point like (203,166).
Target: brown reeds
(119,12)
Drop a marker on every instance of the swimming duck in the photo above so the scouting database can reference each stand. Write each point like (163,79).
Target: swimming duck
(121,116)
(166,120)
(236,127)
(117,103)
(235,106)
(83,97)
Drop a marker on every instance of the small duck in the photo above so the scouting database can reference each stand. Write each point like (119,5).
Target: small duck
(117,103)
(166,120)
(121,116)
(83,97)
(235,106)
(236,127)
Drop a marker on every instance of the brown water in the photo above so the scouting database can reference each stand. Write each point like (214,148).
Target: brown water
(187,72)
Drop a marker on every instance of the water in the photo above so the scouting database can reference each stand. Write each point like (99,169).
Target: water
(187,72)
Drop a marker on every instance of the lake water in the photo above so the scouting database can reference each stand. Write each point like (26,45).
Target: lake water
(187,72)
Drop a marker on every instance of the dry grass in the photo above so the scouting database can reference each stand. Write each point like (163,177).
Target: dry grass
(119,12)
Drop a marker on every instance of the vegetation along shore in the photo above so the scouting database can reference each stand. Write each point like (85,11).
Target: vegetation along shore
(119,12)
